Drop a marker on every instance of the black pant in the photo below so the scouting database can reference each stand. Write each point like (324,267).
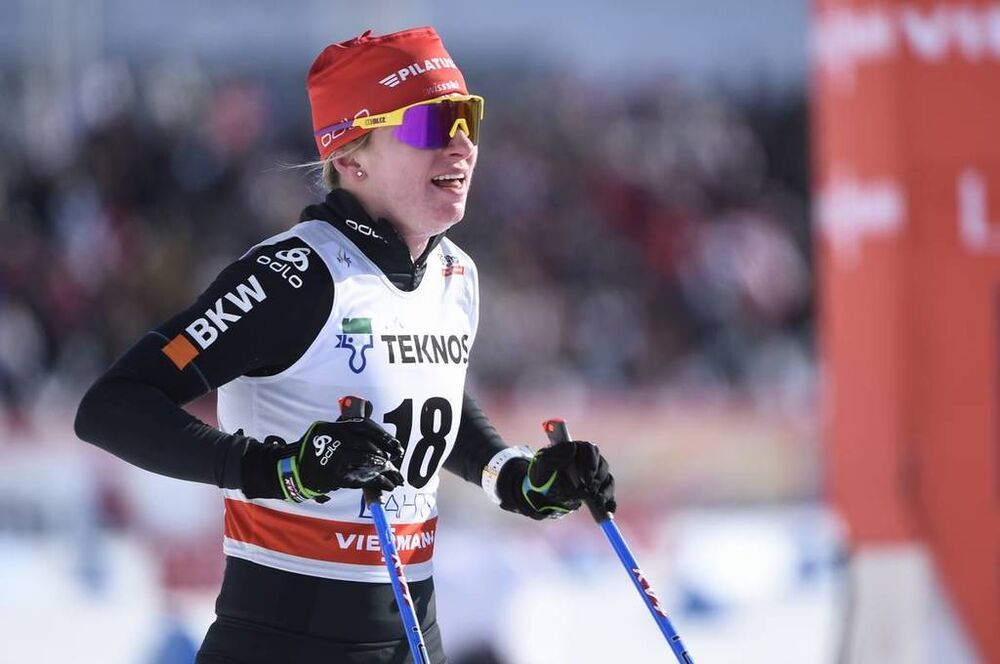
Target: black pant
(267,616)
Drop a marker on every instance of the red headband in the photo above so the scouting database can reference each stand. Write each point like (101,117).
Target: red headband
(372,75)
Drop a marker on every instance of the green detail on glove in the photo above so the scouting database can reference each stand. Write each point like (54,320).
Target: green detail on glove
(527,487)
(544,489)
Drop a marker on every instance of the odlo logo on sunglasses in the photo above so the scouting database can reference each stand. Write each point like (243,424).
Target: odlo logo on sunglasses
(416,69)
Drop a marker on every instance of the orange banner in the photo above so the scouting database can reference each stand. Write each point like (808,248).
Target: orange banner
(906,137)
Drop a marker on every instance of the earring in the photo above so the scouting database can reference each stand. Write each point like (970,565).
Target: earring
(360,174)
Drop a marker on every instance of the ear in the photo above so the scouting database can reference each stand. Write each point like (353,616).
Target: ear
(347,166)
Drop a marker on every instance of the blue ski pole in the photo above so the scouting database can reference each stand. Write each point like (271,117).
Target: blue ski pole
(557,431)
(355,407)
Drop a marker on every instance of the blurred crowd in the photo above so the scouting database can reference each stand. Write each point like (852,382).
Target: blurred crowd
(627,235)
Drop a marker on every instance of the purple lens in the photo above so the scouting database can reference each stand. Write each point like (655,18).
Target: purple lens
(421,127)
(428,126)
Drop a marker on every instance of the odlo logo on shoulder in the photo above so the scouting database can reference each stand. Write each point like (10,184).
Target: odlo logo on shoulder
(356,337)
(284,261)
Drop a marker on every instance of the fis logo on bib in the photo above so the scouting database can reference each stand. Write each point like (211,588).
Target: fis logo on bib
(343,258)
(356,336)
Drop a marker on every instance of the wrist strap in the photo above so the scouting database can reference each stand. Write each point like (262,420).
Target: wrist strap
(290,483)
(287,480)
(492,470)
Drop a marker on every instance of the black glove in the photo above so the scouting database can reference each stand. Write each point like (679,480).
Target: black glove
(351,453)
(556,480)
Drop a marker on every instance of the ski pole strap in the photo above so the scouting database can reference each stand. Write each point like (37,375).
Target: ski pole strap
(491,472)
(291,484)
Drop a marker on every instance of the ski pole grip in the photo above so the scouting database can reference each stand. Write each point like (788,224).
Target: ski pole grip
(558,432)
(352,407)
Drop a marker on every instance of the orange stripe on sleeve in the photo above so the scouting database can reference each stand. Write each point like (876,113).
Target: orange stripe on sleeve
(180,351)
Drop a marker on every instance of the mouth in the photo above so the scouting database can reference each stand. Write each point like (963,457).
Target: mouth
(456,182)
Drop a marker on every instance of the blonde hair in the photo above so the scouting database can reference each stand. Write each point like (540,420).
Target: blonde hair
(327,176)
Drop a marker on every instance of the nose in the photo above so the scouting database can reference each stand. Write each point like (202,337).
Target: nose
(460,145)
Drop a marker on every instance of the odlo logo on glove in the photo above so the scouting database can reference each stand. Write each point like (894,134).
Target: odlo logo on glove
(325,448)
(350,453)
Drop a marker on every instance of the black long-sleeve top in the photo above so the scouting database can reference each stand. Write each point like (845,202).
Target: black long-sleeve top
(135,409)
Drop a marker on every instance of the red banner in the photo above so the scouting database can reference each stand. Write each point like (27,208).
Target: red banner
(906,136)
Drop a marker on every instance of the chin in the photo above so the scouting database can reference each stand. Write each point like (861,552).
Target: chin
(450,217)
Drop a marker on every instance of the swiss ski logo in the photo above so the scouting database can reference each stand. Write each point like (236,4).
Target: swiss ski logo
(451,265)
(356,336)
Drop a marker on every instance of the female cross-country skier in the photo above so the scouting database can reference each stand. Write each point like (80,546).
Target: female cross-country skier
(364,296)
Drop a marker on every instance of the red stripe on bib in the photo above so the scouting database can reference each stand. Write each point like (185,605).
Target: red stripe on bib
(323,539)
